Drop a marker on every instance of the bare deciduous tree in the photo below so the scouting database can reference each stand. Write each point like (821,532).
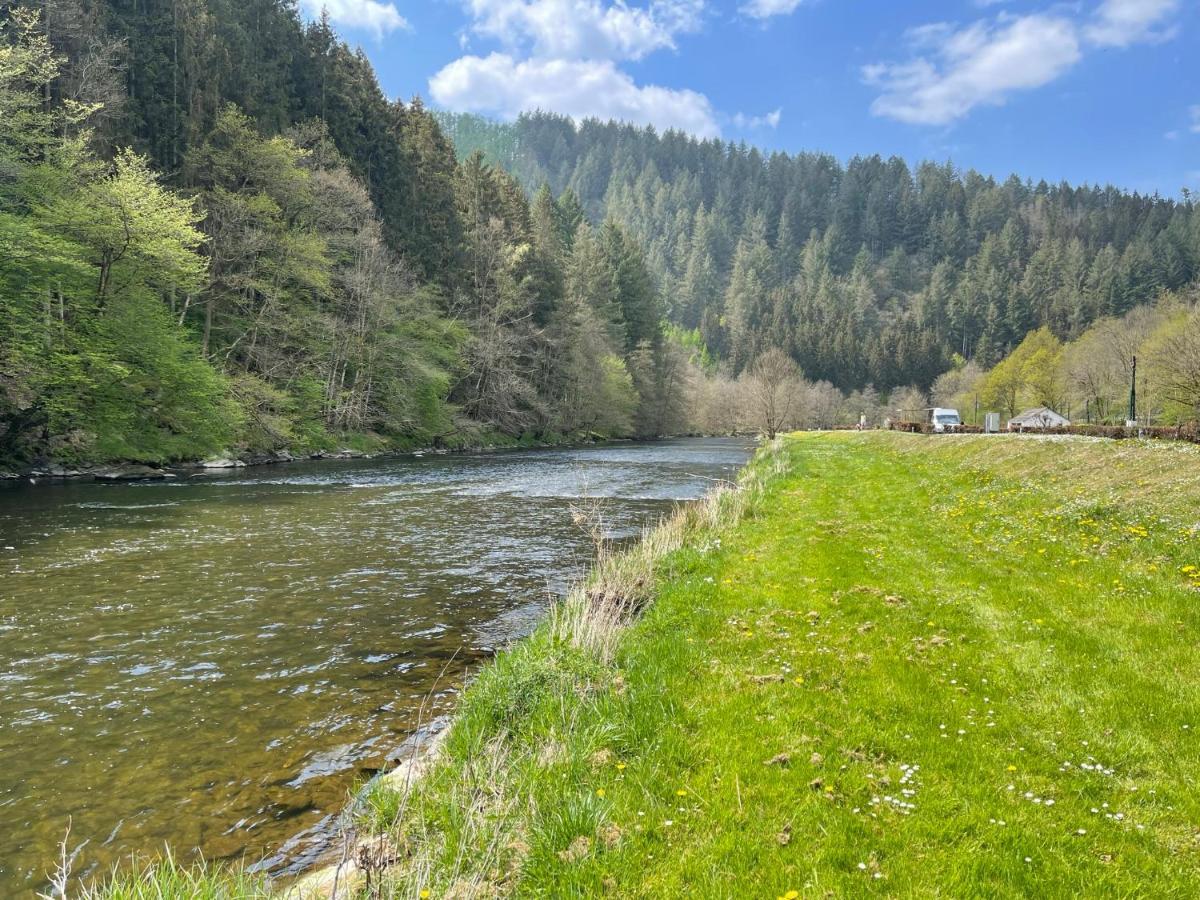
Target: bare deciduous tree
(952,388)
(718,409)
(907,404)
(1176,365)
(94,65)
(822,406)
(772,384)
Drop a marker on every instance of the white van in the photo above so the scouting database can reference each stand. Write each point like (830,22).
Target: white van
(944,419)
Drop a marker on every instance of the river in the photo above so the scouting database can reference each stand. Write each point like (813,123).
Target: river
(213,663)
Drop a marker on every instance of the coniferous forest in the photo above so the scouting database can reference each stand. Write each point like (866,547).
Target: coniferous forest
(219,234)
(871,272)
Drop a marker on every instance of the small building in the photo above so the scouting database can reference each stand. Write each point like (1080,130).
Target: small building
(1041,417)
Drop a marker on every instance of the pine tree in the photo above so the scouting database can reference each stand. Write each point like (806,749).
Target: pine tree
(747,300)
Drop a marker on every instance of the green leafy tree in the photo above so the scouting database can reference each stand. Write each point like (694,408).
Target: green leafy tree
(98,367)
(1028,376)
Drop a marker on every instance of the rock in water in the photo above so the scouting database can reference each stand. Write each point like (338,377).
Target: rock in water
(131,473)
(222,462)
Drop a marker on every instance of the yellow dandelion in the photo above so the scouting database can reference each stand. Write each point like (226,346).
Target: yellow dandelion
(681,793)
(620,767)
(599,792)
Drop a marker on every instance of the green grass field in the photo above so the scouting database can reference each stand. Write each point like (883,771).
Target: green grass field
(924,667)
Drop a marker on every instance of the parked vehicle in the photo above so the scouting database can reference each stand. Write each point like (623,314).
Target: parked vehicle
(944,420)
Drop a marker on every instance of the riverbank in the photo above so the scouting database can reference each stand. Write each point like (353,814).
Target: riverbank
(130,470)
(883,664)
(310,615)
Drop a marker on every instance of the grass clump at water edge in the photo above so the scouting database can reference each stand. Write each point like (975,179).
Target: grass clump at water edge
(164,878)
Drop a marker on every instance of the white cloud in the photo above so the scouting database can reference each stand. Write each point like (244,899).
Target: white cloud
(1194,112)
(955,69)
(501,85)
(770,120)
(585,28)
(764,9)
(1119,23)
(367,15)
(981,64)
(930,36)
(562,56)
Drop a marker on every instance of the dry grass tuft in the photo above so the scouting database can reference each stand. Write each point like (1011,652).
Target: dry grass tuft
(596,612)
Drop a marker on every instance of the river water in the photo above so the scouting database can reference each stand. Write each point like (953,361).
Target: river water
(213,663)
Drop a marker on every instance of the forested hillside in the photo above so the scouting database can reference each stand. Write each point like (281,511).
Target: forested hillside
(219,234)
(870,272)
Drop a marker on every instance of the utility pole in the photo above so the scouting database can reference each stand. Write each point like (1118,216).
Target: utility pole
(1133,393)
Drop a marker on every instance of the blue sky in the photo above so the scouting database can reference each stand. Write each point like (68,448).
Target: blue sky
(1099,91)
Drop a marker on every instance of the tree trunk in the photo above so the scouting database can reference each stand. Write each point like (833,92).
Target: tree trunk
(208,320)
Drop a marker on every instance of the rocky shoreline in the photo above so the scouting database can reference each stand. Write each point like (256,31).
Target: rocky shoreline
(329,879)
(129,472)
(134,472)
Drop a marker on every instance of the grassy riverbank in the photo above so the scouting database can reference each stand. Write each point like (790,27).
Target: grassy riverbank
(887,665)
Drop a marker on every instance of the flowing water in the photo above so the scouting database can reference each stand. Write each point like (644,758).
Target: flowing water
(213,663)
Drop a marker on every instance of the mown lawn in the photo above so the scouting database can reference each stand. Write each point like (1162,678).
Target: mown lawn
(960,667)
(987,687)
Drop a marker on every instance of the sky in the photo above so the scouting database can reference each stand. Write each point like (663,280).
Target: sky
(1095,91)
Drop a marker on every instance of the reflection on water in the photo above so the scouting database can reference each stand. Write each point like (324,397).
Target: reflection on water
(213,662)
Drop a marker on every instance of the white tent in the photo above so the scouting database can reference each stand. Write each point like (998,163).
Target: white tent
(1041,417)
